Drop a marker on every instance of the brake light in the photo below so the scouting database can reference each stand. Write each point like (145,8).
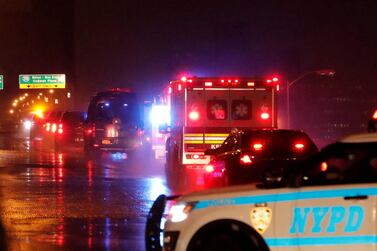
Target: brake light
(299,146)
(209,168)
(53,128)
(60,130)
(245,159)
(258,147)
(89,131)
(324,166)
(194,115)
(265,115)
(251,84)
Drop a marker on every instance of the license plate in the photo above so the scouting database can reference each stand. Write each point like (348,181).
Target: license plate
(106,142)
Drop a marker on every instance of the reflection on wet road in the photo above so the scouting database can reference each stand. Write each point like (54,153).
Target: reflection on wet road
(66,201)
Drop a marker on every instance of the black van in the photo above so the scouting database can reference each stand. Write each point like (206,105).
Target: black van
(114,122)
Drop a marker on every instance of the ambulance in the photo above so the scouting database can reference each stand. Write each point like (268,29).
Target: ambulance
(328,203)
(203,110)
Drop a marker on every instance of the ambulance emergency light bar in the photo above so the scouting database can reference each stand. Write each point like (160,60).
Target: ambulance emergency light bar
(227,82)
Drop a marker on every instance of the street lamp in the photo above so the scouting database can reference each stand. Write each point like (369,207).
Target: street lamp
(322,72)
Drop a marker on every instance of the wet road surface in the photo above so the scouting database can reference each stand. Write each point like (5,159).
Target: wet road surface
(62,200)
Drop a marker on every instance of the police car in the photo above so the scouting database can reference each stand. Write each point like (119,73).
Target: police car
(328,203)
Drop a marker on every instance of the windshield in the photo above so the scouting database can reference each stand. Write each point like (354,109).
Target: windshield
(108,109)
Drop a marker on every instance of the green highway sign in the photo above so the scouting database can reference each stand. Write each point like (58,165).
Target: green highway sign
(1,82)
(42,81)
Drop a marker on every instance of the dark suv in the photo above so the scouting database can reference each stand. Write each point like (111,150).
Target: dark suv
(113,122)
(255,155)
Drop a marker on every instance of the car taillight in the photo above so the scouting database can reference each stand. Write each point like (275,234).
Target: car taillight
(60,130)
(246,159)
(48,127)
(323,166)
(258,147)
(210,168)
(299,146)
(53,128)
(194,115)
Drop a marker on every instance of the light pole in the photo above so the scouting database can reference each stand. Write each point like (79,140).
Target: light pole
(323,72)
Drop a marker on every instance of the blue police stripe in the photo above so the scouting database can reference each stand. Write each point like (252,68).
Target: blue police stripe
(300,195)
(313,241)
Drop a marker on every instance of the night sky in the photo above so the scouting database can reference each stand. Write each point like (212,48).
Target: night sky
(144,44)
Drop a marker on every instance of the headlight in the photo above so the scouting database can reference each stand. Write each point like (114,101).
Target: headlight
(179,212)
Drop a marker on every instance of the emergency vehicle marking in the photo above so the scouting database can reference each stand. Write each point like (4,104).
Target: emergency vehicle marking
(352,218)
(261,218)
(313,241)
(301,195)
(200,138)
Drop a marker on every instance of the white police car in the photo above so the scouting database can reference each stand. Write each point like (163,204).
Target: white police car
(329,203)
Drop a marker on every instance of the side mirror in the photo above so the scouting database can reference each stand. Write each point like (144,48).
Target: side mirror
(164,128)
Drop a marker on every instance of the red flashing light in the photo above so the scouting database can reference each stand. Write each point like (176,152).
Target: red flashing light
(375,114)
(222,81)
(275,79)
(190,80)
(208,84)
(184,79)
(236,81)
(299,146)
(258,147)
(194,115)
(245,159)
(265,115)
(179,87)
(324,166)
(60,130)
(89,131)
(229,81)
(250,84)
(269,81)
(277,87)
(209,168)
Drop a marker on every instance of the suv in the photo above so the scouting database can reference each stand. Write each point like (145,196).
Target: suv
(329,203)
(252,155)
(113,122)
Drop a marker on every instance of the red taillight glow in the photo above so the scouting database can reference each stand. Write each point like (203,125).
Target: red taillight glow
(60,130)
(194,115)
(184,79)
(236,81)
(245,159)
(53,128)
(251,84)
(258,147)
(209,168)
(324,166)
(375,114)
(299,146)
(269,81)
(265,115)
(89,131)
(208,84)
(222,80)
(275,79)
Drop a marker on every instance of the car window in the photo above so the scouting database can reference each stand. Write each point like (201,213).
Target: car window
(217,109)
(342,163)
(280,144)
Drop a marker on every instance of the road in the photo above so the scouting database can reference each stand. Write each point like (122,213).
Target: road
(63,200)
